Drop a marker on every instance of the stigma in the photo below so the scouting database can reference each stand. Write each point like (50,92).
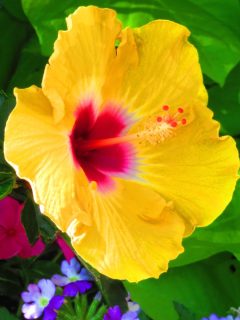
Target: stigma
(162,126)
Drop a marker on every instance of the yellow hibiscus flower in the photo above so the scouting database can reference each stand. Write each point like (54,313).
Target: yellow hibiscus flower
(118,144)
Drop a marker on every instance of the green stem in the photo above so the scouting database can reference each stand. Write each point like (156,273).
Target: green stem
(100,313)
(69,308)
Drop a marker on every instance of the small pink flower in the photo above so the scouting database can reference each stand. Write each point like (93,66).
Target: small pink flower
(66,249)
(13,238)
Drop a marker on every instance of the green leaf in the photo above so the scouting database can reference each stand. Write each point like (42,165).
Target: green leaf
(7,175)
(214,25)
(113,292)
(29,220)
(47,228)
(183,312)
(94,309)
(41,269)
(6,106)
(225,102)
(6,315)
(14,8)
(14,33)
(47,17)
(222,235)
(143,316)
(7,180)
(10,281)
(30,67)
(209,286)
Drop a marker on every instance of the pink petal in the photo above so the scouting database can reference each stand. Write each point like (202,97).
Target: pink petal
(10,212)
(67,251)
(29,251)
(9,247)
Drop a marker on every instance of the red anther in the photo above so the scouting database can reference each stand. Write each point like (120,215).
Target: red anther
(173,124)
(165,108)
(159,119)
(180,110)
(184,121)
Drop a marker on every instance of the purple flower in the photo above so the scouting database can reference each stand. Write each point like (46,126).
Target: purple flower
(37,298)
(132,306)
(75,279)
(215,317)
(72,289)
(50,312)
(114,313)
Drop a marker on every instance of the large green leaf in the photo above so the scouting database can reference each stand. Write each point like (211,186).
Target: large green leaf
(214,25)
(183,312)
(29,69)
(222,235)
(47,17)
(225,102)
(209,286)
(14,33)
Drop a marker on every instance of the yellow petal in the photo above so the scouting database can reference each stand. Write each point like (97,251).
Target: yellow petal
(77,68)
(194,168)
(134,234)
(166,69)
(39,152)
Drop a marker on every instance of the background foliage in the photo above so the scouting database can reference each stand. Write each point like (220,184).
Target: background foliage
(206,277)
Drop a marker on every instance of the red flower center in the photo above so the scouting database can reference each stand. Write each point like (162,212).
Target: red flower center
(11,232)
(95,147)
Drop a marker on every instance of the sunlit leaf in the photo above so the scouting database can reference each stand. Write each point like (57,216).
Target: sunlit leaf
(209,286)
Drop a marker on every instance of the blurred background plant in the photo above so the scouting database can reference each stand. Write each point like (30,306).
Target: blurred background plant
(204,281)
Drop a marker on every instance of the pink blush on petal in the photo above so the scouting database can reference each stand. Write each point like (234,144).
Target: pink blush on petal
(104,163)
(111,122)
